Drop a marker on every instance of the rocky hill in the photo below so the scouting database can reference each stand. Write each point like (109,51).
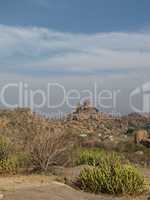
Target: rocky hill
(21,124)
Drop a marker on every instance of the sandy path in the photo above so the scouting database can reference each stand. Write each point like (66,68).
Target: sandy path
(55,191)
(46,188)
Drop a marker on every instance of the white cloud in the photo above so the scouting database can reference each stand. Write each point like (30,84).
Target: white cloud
(32,48)
(27,50)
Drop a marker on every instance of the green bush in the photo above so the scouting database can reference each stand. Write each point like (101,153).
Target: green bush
(14,163)
(89,157)
(130,147)
(95,157)
(5,147)
(23,160)
(111,176)
(9,166)
(10,160)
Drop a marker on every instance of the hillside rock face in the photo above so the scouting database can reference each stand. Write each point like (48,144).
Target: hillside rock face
(88,120)
(136,120)
(21,125)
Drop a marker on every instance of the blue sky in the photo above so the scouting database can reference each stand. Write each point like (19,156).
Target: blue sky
(86,16)
(78,37)
(76,42)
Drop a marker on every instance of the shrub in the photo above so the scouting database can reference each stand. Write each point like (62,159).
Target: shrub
(23,160)
(48,148)
(9,166)
(14,163)
(111,176)
(5,147)
(129,147)
(95,157)
(89,157)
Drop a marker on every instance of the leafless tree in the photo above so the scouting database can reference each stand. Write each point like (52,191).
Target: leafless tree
(47,147)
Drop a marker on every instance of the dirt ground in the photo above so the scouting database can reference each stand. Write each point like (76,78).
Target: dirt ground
(40,187)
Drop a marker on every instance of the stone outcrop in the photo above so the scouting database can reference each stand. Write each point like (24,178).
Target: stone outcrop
(85,122)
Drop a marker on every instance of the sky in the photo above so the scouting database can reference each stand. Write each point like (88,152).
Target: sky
(74,41)
(76,16)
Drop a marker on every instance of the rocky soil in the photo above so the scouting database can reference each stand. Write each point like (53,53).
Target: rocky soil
(86,122)
(39,187)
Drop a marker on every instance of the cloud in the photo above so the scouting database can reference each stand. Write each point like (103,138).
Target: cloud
(39,56)
(41,3)
(41,51)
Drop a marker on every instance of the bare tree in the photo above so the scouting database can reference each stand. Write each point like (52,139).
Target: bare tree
(47,147)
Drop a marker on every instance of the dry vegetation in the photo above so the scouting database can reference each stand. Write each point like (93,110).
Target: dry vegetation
(29,142)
